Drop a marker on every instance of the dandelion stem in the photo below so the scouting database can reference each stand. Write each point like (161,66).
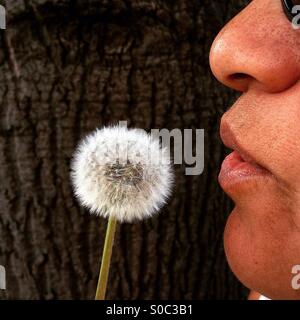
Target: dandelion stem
(106,257)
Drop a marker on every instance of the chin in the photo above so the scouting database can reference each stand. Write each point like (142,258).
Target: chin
(260,263)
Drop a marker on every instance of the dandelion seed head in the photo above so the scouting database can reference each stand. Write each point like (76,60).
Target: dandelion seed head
(123,173)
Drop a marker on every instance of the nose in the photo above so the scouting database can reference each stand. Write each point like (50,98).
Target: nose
(256,49)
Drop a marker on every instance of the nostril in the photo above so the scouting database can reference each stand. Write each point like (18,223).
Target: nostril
(238,76)
(239,81)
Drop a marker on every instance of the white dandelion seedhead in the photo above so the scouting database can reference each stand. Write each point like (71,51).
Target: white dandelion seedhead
(122,173)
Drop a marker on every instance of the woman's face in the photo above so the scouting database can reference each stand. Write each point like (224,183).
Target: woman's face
(258,53)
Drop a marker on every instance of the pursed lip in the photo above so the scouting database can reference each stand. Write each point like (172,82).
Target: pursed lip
(239,166)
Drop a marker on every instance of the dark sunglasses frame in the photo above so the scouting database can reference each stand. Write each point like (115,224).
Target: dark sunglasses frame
(288,6)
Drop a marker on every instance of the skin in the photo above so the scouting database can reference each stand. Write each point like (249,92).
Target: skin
(254,295)
(258,54)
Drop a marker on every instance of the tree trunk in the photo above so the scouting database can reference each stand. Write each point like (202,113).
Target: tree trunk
(67,67)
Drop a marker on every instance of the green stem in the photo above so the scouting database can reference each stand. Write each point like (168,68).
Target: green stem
(106,257)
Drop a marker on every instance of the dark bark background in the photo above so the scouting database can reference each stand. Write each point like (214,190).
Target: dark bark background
(67,67)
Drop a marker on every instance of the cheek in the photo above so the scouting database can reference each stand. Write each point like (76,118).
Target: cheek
(269,126)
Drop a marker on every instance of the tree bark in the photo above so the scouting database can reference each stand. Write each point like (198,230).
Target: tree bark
(68,67)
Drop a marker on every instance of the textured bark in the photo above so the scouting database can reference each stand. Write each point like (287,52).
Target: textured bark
(67,67)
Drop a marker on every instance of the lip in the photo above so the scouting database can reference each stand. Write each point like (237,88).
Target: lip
(239,167)
(235,170)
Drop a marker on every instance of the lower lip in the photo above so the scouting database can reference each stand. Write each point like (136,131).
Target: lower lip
(235,171)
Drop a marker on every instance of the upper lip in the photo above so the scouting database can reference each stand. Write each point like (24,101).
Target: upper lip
(230,141)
